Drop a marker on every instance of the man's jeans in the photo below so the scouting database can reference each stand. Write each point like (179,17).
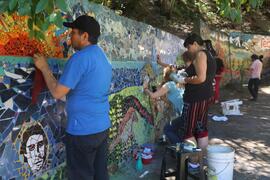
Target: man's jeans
(87,156)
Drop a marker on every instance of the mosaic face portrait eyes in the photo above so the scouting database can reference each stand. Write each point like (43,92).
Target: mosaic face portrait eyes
(31,147)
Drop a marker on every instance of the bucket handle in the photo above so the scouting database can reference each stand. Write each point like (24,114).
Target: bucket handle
(220,171)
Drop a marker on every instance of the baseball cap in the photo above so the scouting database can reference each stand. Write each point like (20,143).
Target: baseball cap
(85,23)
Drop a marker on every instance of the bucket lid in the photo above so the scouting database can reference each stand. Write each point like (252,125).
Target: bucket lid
(219,149)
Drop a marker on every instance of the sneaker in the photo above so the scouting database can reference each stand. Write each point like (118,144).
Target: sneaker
(253,99)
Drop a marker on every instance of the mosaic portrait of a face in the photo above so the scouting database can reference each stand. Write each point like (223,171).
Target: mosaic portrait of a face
(34,147)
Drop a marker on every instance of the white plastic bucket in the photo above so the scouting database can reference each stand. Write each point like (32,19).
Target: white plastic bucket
(220,160)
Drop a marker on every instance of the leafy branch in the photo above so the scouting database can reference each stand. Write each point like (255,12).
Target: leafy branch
(41,13)
(234,9)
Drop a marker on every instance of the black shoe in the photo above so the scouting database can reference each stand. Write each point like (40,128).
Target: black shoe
(162,142)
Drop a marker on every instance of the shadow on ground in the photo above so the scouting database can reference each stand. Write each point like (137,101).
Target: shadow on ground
(249,135)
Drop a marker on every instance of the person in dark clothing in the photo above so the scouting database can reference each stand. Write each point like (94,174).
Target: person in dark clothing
(198,92)
(208,45)
(218,77)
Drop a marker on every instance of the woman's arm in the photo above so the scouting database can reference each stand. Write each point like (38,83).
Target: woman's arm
(160,92)
(161,63)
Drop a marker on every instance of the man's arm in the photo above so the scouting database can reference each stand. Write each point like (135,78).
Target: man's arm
(57,90)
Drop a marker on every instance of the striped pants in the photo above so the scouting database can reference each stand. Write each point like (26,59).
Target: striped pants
(194,117)
(192,122)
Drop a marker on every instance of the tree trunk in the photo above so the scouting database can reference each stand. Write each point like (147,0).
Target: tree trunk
(166,7)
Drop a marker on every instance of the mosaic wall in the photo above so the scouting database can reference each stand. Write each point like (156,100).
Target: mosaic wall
(32,133)
(243,46)
(235,49)
(220,43)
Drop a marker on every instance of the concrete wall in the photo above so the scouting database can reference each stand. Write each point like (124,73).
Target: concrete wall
(131,47)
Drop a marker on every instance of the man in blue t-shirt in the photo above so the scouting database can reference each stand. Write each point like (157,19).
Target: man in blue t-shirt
(86,82)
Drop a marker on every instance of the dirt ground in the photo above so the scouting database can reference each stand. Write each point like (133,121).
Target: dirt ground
(249,135)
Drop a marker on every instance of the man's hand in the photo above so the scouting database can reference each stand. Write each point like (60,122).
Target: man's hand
(57,90)
(40,61)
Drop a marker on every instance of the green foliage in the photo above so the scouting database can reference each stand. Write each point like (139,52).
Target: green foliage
(234,9)
(3,6)
(61,5)
(24,8)
(230,9)
(42,13)
(12,4)
(41,5)
(123,5)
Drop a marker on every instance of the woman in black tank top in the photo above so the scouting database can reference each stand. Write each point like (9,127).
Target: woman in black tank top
(198,93)
(199,89)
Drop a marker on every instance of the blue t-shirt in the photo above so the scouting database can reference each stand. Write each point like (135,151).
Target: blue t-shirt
(175,96)
(88,74)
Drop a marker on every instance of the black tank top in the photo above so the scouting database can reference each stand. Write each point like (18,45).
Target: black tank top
(203,91)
